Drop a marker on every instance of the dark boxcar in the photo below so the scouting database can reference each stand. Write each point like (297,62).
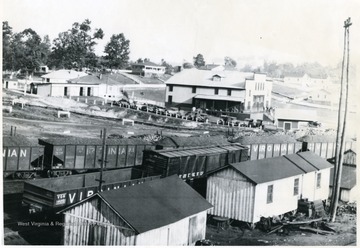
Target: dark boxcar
(56,193)
(22,157)
(192,162)
(324,145)
(63,155)
(269,146)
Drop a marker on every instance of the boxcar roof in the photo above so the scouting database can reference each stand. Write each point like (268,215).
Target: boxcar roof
(192,141)
(267,170)
(18,141)
(180,152)
(91,141)
(274,139)
(348,177)
(349,158)
(315,160)
(321,138)
(155,203)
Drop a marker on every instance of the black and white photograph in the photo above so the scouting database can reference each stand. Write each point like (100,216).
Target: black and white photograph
(179,122)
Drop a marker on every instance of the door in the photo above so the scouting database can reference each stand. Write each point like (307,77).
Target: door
(89,91)
(169,99)
(7,85)
(287,126)
(81,91)
(65,91)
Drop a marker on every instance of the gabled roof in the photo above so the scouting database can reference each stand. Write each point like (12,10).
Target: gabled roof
(348,177)
(64,74)
(148,63)
(296,114)
(204,78)
(349,158)
(276,168)
(155,203)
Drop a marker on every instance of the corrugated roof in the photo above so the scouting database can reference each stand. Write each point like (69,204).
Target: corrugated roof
(271,169)
(195,77)
(156,203)
(349,158)
(296,114)
(18,140)
(192,141)
(315,160)
(273,139)
(348,177)
(171,153)
(88,141)
(267,170)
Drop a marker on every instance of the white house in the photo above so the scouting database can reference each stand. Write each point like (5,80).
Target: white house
(159,212)
(292,119)
(62,76)
(247,191)
(219,90)
(306,81)
(148,69)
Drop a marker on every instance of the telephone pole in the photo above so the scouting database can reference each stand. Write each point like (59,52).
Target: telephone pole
(340,136)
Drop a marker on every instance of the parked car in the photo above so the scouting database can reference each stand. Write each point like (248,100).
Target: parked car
(172,111)
(201,117)
(148,108)
(249,122)
(226,119)
(160,110)
(122,103)
(314,124)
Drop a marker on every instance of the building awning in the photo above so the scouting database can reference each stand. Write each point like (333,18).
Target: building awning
(222,98)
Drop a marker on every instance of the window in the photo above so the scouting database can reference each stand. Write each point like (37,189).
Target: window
(193,89)
(229,92)
(216,91)
(170,88)
(48,80)
(169,99)
(269,198)
(318,180)
(296,186)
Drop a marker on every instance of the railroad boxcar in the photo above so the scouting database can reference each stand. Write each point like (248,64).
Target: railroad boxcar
(22,157)
(190,163)
(324,145)
(269,146)
(62,155)
(51,194)
(192,141)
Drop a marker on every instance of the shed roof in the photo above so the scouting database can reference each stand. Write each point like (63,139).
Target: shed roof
(348,177)
(271,169)
(296,114)
(349,158)
(192,141)
(156,203)
(90,141)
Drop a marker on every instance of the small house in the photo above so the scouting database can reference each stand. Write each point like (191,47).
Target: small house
(159,212)
(293,119)
(348,186)
(247,191)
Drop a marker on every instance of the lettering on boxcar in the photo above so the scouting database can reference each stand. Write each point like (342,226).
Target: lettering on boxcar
(14,153)
(58,151)
(90,150)
(255,148)
(89,193)
(277,147)
(123,151)
(60,199)
(131,149)
(269,148)
(262,148)
(112,151)
(72,197)
(290,148)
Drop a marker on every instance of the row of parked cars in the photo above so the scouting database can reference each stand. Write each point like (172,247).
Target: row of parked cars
(172,111)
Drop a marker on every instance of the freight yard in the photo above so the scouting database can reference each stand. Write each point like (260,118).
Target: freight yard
(70,137)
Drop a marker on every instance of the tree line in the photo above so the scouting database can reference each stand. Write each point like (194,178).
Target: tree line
(72,49)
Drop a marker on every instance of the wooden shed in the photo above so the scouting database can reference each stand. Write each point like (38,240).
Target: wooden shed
(348,186)
(247,191)
(160,212)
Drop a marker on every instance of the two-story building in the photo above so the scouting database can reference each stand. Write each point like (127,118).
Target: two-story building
(148,69)
(219,90)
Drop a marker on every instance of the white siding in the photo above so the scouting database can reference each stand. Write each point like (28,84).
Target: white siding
(309,186)
(181,94)
(323,192)
(283,198)
(205,91)
(231,194)
(223,92)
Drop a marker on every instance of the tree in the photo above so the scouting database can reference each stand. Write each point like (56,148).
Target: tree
(187,65)
(229,62)
(139,60)
(75,48)
(168,67)
(117,51)
(199,60)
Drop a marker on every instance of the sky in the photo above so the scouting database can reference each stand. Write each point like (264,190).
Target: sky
(249,31)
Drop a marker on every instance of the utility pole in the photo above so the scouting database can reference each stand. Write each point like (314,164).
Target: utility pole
(340,136)
(103,156)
